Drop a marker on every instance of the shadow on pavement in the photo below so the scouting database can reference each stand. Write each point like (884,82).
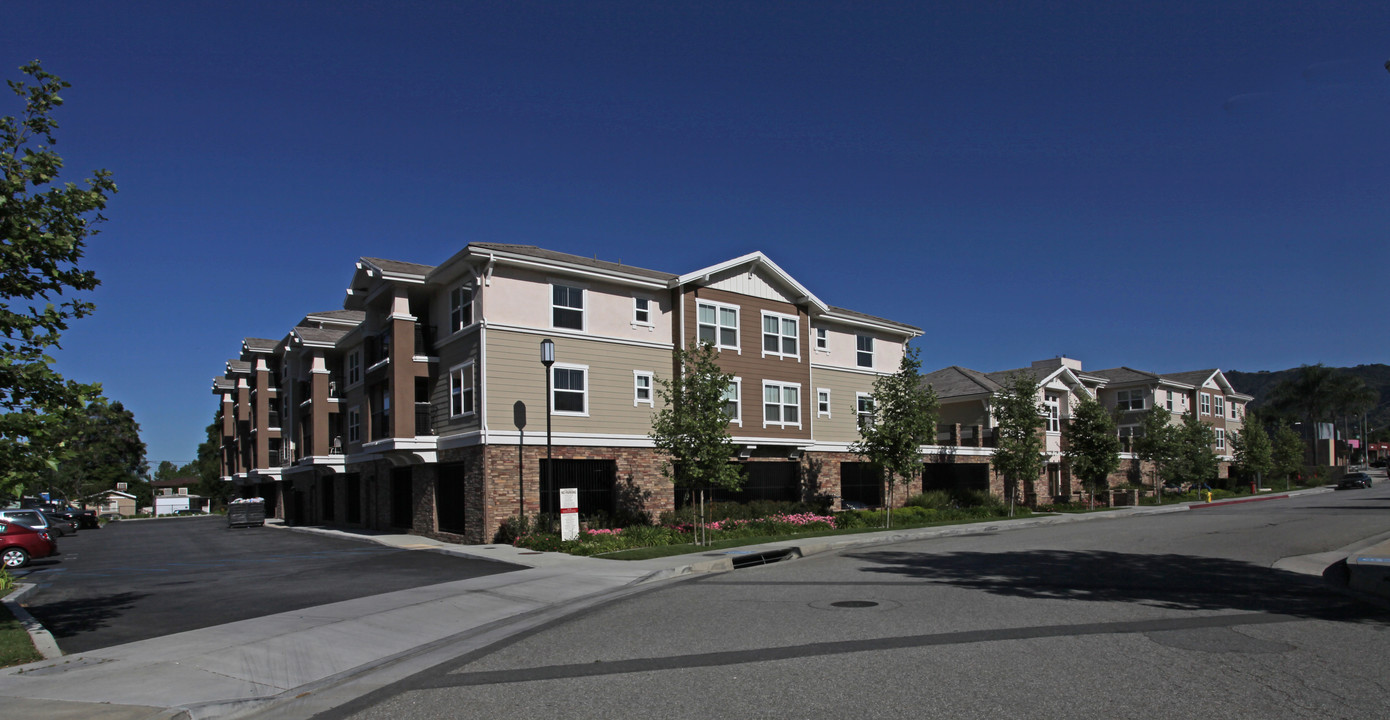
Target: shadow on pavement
(66,618)
(1180,582)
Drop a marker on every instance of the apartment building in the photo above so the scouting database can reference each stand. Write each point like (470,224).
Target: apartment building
(423,404)
(1131,392)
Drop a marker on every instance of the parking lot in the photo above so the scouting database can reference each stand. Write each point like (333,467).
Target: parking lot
(134,580)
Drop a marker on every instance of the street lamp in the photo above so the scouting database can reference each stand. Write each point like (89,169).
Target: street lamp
(547,359)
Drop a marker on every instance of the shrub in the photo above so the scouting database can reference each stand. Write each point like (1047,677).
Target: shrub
(932,499)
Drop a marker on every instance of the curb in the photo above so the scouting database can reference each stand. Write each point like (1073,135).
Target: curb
(43,640)
(1280,496)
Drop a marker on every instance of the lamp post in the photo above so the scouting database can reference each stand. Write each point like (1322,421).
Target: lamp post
(547,359)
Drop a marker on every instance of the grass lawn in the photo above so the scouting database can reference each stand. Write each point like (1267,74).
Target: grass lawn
(15,646)
(658,551)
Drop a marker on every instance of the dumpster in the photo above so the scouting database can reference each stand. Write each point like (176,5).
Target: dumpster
(246,513)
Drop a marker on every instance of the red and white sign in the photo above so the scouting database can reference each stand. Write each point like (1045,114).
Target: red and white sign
(569,513)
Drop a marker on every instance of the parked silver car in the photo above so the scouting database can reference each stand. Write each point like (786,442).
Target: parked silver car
(31,517)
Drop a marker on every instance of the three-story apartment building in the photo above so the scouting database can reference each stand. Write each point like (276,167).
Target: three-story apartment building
(436,399)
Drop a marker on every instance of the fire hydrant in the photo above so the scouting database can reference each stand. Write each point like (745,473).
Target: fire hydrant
(1208,496)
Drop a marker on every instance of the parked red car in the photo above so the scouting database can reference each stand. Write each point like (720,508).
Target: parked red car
(20,543)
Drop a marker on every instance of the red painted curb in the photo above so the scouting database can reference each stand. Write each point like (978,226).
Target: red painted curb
(1236,502)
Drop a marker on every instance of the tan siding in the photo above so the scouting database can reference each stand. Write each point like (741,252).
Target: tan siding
(453,354)
(842,425)
(514,372)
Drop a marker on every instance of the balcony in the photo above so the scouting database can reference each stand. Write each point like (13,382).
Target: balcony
(381,425)
(424,422)
(424,340)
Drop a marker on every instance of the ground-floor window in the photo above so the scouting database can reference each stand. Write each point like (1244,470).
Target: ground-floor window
(596,481)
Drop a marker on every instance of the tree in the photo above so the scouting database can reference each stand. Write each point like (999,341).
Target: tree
(1311,393)
(208,467)
(1194,461)
(1156,443)
(43,233)
(904,420)
(1092,444)
(692,427)
(104,448)
(1288,453)
(1018,446)
(1254,454)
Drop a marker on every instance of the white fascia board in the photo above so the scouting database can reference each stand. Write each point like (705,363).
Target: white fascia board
(755,258)
(884,327)
(380,273)
(557,266)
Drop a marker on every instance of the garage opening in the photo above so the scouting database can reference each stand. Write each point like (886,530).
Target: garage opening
(955,478)
(861,483)
(595,479)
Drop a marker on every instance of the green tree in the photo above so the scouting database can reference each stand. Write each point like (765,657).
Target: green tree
(43,233)
(692,426)
(1092,445)
(904,420)
(1157,444)
(104,448)
(1194,461)
(1018,444)
(1288,451)
(1253,451)
(208,467)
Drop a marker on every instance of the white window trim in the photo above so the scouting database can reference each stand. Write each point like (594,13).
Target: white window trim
(1130,396)
(738,324)
(472,300)
(651,304)
(583,302)
(588,381)
(859,414)
(817,333)
(1218,406)
(781,386)
(347,368)
(1052,403)
(1204,404)
(651,388)
(762,334)
(737,418)
(1220,438)
(455,373)
(828,404)
(872,351)
(1235,411)
(1170,400)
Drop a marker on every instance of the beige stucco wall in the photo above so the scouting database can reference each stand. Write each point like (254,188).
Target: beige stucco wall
(843,348)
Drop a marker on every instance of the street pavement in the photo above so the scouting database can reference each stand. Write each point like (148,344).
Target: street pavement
(297,664)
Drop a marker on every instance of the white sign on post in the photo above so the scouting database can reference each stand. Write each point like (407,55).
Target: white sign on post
(569,513)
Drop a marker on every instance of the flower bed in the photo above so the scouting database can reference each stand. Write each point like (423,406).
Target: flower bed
(601,541)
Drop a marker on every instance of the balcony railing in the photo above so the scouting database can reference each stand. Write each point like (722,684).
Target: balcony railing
(424,422)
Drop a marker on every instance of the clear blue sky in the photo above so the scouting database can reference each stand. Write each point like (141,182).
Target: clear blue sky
(1170,186)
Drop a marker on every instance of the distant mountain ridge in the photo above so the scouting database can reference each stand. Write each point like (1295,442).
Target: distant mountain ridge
(1259,384)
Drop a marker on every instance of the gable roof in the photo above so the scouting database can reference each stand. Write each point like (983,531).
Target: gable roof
(238,366)
(259,345)
(758,260)
(1126,375)
(321,337)
(398,267)
(958,382)
(531,251)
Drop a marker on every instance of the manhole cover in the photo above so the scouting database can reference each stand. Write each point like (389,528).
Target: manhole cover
(854,604)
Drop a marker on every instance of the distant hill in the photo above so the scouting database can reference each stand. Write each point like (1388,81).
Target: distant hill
(1260,383)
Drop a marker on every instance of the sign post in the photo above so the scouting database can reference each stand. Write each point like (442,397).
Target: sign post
(569,513)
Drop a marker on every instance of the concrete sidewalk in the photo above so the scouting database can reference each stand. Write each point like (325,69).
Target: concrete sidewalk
(295,664)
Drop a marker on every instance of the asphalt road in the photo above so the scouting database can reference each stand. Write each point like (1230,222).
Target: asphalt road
(1178,615)
(134,580)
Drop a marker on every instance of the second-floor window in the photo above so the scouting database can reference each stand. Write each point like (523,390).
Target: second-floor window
(1204,404)
(864,345)
(780,335)
(1130,399)
(822,339)
(567,307)
(732,399)
(1052,411)
(354,423)
(641,388)
(781,404)
(642,311)
(1170,400)
(460,308)
(1219,406)
(717,325)
(461,394)
(354,367)
(1235,411)
(822,402)
(1220,439)
(568,393)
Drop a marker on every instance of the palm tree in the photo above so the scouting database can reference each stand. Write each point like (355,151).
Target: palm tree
(1310,393)
(1352,397)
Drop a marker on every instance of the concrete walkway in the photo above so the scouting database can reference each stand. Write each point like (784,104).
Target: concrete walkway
(295,664)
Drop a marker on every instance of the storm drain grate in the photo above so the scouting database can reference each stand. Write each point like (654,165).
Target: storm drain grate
(854,604)
(764,558)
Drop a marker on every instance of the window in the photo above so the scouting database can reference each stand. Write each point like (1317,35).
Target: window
(1052,411)
(1205,404)
(354,425)
(1220,438)
(823,402)
(864,408)
(461,390)
(780,335)
(567,307)
(1220,406)
(865,345)
(732,397)
(642,388)
(822,340)
(568,396)
(460,308)
(642,311)
(1235,411)
(354,367)
(717,324)
(1170,400)
(781,404)
(1130,399)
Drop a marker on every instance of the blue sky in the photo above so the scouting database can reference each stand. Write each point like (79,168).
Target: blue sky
(1168,186)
